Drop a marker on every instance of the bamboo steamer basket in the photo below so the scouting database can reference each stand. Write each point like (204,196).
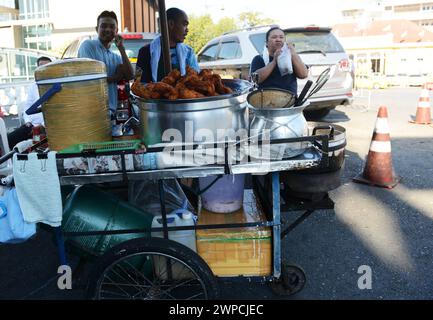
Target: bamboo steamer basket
(79,112)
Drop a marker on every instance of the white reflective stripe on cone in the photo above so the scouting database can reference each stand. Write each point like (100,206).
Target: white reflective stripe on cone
(425,94)
(380,146)
(382,125)
(423,104)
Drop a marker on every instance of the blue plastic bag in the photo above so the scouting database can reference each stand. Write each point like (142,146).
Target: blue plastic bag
(13,228)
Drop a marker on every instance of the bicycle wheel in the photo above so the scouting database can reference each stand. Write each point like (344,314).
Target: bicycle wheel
(152,269)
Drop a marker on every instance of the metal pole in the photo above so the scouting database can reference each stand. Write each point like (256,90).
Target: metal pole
(165,43)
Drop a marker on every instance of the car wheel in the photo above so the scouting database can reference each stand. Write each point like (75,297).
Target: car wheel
(313,115)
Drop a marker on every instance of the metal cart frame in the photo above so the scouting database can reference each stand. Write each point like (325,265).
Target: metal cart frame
(316,155)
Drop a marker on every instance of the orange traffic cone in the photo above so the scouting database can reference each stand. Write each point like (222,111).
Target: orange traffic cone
(2,113)
(378,170)
(423,115)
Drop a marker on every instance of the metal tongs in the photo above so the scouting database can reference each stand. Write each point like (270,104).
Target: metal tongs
(320,82)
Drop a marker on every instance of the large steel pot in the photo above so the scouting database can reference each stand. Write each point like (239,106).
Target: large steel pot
(219,115)
(280,123)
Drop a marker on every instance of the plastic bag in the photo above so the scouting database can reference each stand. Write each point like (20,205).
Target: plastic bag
(145,195)
(13,228)
(265,55)
(285,61)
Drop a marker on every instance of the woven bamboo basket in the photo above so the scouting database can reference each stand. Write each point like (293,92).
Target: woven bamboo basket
(79,112)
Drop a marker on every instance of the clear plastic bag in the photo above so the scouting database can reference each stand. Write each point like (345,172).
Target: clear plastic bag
(145,195)
(285,61)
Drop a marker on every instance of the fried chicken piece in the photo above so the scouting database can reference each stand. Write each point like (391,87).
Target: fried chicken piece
(140,89)
(205,73)
(185,93)
(204,87)
(172,78)
(162,89)
(190,71)
(220,88)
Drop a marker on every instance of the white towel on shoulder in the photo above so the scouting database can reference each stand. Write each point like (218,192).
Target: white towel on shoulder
(38,188)
(155,55)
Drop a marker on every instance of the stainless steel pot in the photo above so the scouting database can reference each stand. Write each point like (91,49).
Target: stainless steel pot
(281,123)
(186,117)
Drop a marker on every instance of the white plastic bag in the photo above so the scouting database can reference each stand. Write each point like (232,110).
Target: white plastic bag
(285,61)
(265,55)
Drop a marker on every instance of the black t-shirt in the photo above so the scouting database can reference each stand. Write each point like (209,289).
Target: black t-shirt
(275,80)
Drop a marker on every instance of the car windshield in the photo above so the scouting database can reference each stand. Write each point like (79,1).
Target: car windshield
(313,42)
(131,47)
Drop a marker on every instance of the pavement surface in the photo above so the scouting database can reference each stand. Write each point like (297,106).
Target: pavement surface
(387,232)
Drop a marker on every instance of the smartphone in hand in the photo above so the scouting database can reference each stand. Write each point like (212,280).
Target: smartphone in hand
(118,40)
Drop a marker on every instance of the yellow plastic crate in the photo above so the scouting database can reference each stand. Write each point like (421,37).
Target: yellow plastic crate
(236,252)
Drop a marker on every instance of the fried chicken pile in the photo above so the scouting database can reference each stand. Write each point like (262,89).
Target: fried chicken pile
(174,86)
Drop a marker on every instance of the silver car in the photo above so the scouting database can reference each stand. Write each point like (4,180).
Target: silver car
(230,55)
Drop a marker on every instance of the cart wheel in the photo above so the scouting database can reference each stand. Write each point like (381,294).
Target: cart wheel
(152,269)
(292,281)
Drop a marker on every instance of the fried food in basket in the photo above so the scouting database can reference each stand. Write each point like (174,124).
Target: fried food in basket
(191,86)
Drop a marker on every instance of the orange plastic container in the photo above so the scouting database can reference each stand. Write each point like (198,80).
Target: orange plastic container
(236,252)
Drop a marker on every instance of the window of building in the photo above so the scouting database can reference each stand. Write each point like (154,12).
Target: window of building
(38,37)
(375,65)
(407,8)
(33,9)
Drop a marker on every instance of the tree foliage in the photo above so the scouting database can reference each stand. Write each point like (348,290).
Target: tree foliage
(202,28)
(253,19)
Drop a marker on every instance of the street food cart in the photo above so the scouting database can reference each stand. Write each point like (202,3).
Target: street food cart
(149,264)
(147,267)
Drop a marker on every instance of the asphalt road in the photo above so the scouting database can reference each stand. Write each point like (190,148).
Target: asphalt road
(389,231)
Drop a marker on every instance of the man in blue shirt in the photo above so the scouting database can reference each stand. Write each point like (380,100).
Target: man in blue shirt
(269,73)
(118,68)
(149,58)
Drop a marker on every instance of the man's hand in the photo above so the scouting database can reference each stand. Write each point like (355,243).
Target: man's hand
(118,40)
(119,75)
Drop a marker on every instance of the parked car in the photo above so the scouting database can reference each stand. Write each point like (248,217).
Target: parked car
(230,55)
(133,41)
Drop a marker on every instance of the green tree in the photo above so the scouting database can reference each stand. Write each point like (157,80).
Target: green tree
(225,25)
(252,19)
(201,30)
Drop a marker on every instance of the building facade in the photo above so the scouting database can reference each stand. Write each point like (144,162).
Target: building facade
(399,50)
(417,11)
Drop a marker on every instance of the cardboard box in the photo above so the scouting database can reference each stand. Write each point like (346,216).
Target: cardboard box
(240,251)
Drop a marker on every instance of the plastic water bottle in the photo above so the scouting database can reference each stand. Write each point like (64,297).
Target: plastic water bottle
(185,237)
(177,219)
(150,161)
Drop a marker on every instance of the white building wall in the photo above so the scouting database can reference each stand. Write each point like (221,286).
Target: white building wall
(395,58)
